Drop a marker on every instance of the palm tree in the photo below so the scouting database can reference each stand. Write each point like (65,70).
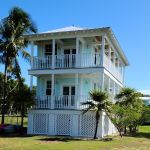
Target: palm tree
(99,102)
(12,44)
(128,97)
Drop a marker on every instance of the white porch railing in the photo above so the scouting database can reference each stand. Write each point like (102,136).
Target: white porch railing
(110,66)
(43,101)
(76,61)
(67,61)
(42,62)
(62,102)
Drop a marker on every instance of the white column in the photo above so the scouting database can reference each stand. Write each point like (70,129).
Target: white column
(31,82)
(123,74)
(102,80)
(114,89)
(52,92)
(77,103)
(30,123)
(109,86)
(75,125)
(53,53)
(103,50)
(109,55)
(77,51)
(51,124)
(32,53)
(100,132)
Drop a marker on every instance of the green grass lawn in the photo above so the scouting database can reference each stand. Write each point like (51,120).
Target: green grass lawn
(140,142)
(15,120)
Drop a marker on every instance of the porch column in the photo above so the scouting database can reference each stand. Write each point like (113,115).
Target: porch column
(77,51)
(109,55)
(77,91)
(123,74)
(117,64)
(114,91)
(53,53)
(109,86)
(102,80)
(32,53)
(52,91)
(31,82)
(103,50)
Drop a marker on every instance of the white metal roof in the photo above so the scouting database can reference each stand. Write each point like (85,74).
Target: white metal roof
(75,30)
(65,29)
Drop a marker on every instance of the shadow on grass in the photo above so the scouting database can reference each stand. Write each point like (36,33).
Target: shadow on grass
(60,139)
(142,135)
(69,139)
(15,135)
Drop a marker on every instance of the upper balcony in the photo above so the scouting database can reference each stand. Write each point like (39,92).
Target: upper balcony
(67,61)
(79,52)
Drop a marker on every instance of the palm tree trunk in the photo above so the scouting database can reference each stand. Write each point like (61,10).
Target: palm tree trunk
(22,114)
(97,121)
(120,133)
(22,118)
(125,129)
(4,95)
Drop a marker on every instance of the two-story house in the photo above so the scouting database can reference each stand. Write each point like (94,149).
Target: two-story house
(70,62)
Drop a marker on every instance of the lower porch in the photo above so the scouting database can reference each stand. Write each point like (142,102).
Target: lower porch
(69,91)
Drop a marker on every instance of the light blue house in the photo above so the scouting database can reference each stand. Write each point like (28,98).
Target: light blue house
(70,62)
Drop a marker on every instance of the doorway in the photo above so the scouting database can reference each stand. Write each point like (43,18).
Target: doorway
(69,57)
(69,96)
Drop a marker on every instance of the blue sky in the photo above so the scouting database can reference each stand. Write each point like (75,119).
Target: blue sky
(130,21)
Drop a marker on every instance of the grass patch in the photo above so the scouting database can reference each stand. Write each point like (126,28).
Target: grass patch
(15,120)
(67,143)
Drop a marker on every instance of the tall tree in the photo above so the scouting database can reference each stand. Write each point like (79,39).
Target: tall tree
(99,102)
(12,44)
(22,99)
(130,99)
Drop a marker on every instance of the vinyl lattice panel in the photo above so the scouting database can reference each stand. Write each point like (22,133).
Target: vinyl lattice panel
(87,125)
(63,124)
(40,124)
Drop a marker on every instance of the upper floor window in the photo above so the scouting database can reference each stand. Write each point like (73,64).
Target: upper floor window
(48,49)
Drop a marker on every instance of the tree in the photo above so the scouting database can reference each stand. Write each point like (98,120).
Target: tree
(12,44)
(99,102)
(128,97)
(130,100)
(10,87)
(145,116)
(118,117)
(22,99)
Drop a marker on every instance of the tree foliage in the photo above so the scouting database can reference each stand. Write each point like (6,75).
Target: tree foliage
(128,110)
(13,44)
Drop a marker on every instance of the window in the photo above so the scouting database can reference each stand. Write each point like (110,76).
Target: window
(48,49)
(48,88)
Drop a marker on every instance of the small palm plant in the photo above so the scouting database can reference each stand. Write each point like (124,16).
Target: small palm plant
(99,102)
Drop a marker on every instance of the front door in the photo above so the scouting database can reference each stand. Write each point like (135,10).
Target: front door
(69,58)
(69,96)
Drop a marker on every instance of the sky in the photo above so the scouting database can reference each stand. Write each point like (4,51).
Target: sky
(130,21)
